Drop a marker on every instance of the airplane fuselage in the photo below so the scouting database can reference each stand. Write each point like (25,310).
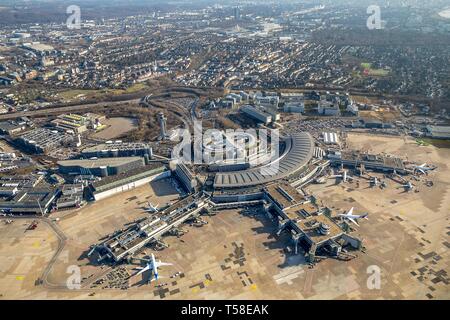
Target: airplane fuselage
(155,267)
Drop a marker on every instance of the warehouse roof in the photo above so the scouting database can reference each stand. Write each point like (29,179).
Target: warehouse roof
(110,182)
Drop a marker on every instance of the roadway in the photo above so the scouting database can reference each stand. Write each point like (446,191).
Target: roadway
(65,109)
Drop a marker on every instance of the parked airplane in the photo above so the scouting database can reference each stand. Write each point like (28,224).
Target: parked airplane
(408,187)
(423,168)
(344,176)
(151,208)
(353,217)
(152,265)
(374,182)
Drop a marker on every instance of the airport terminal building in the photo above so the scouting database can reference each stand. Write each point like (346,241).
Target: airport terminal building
(297,152)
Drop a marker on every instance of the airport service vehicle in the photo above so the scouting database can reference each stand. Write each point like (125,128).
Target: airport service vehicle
(33,225)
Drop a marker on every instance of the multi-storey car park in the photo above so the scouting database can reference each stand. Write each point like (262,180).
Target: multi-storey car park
(118,149)
(42,140)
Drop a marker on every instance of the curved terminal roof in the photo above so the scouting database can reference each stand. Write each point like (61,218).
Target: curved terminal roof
(298,152)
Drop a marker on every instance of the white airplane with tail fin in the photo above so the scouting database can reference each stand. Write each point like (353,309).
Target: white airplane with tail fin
(151,208)
(408,187)
(353,217)
(152,265)
(344,176)
(423,168)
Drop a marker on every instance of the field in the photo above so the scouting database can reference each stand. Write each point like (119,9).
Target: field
(115,127)
(76,94)
(373,72)
(437,143)
(238,255)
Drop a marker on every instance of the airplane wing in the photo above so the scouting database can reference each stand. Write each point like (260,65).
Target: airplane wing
(423,165)
(159,264)
(142,270)
(353,220)
(350,212)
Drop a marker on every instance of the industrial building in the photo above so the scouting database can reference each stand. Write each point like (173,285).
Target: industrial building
(257,114)
(328,108)
(289,97)
(21,194)
(71,196)
(101,167)
(9,161)
(118,149)
(267,101)
(29,201)
(330,138)
(352,108)
(73,122)
(20,181)
(11,127)
(294,107)
(438,132)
